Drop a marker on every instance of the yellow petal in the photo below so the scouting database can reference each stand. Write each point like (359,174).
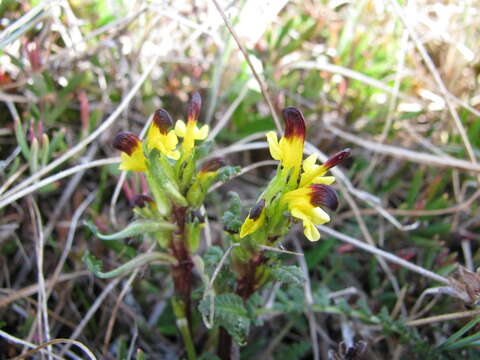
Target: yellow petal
(202,133)
(326,180)
(174,155)
(152,136)
(291,152)
(135,162)
(296,212)
(309,163)
(171,140)
(311,231)
(309,228)
(180,128)
(318,216)
(298,198)
(273,145)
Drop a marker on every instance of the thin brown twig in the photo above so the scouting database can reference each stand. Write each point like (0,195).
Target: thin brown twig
(444,317)
(94,135)
(436,76)
(388,256)
(407,154)
(113,317)
(91,311)
(42,309)
(368,237)
(57,341)
(420,212)
(262,84)
(33,289)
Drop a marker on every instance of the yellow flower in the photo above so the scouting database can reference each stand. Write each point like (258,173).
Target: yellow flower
(190,131)
(159,136)
(132,154)
(303,204)
(254,220)
(313,174)
(289,150)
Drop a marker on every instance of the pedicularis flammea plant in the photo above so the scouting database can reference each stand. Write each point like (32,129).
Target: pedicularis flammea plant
(179,175)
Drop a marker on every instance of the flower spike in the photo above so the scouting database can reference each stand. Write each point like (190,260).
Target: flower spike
(159,136)
(132,155)
(254,220)
(190,131)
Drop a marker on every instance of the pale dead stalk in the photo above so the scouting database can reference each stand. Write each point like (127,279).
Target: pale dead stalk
(406,154)
(261,83)
(388,256)
(436,76)
(60,175)
(6,199)
(33,289)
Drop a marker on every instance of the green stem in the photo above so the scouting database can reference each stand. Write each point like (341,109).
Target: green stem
(182,323)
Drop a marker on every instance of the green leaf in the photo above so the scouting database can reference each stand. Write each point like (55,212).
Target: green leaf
(204,149)
(138,227)
(231,218)
(212,257)
(414,188)
(319,252)
(230,312)
(95,265)
(21,139)
(227,172)
(208,356)
(161,181)
(140,355)
(92,263)
(289,274)
(456,340)
(235,203)
(293,351)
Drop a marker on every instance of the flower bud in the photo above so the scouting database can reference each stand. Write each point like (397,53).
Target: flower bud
(194,107)
(254,220)
(162,120)
(294,123)
(337,158)
(256,211)
(212,165)
(126,142)
(141,200)
(132,154)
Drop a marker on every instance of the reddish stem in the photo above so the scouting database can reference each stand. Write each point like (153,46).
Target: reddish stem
(182,272)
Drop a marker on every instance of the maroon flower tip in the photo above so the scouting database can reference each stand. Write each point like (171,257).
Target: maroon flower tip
(141,200)
(337,158)
(126,142)
(162,120)
(324,195)
(213,165)
(294,123)
(194,107)
(256,211)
